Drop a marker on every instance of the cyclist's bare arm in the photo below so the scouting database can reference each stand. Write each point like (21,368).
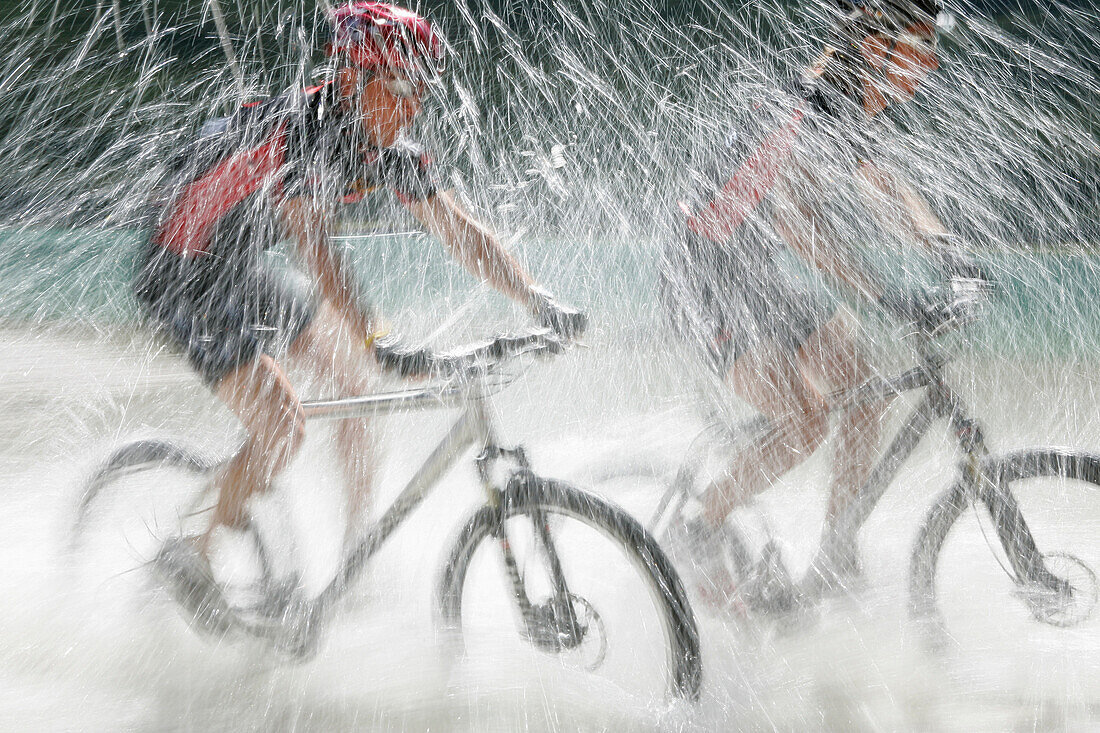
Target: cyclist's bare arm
(798,229)
(474,245)
(899,195)
(892,200)
(308,225)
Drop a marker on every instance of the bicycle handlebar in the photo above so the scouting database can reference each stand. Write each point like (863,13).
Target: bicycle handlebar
(477,358)
(960,306)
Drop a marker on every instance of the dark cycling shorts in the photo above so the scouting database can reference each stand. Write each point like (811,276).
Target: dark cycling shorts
(729,300)
(221,322)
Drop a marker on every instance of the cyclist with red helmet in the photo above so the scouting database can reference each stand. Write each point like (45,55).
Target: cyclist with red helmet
(278,168)
(773,335)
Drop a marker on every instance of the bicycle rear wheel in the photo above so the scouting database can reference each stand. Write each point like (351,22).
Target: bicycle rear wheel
(149,493)
(132,458)
(582,582)
(1036,593)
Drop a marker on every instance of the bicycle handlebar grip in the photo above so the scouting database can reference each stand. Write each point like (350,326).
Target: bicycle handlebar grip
(502,348)
(392,357)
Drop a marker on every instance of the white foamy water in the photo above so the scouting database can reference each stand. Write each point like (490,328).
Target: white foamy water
(88,643)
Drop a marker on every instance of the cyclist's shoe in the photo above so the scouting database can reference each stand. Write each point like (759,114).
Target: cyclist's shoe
(770,589)
(700,552)
(187,577)
(288,620)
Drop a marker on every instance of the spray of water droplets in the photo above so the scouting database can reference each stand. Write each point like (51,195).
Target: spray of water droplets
(573,129)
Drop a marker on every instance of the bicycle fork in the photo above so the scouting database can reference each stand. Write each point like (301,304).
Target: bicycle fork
(1024,557)
(552,626)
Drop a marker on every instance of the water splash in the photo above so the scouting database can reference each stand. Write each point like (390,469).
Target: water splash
(570,128)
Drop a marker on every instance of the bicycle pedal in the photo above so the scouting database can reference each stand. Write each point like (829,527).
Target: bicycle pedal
(186,575)
(278,598)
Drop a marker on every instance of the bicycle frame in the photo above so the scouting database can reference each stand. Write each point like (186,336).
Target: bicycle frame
(473,428)
(939,402)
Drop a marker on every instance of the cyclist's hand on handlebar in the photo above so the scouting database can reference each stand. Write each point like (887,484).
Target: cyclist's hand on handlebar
(916,306)
(955,263)
(568,323)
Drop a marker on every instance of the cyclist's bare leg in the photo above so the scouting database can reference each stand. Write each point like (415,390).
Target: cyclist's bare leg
(265,402)
(834,354)
(263,399)
(770,379)
(331,353)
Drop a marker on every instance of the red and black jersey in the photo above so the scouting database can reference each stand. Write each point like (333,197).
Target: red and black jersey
(734,178)
(298,144)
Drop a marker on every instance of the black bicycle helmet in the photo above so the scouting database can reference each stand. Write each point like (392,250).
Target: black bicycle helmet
(892,15)
(842,76)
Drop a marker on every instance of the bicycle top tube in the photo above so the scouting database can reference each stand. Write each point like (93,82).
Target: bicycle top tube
(960,305)
(470,372)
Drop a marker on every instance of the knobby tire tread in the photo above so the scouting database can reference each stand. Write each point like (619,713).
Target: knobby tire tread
(131,457)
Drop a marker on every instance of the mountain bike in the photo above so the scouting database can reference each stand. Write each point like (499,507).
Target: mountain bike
(540,555)
(991,509)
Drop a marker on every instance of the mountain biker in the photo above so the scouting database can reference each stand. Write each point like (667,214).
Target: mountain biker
(769,334)
(282,167)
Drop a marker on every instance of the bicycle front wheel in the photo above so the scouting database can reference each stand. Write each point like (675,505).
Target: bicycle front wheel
(555,572)
(1017,576)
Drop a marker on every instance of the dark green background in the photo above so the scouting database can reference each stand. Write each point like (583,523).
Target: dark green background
(83,126)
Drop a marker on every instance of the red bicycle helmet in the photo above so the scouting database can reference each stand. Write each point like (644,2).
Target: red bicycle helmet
(379,35)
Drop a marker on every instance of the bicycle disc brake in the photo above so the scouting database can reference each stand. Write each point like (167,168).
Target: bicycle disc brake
(555,629)
(1070,599)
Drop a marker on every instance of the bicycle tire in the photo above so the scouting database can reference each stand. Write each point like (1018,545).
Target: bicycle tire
(152,454)
(526,492)
(1003,471)
(135,456)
